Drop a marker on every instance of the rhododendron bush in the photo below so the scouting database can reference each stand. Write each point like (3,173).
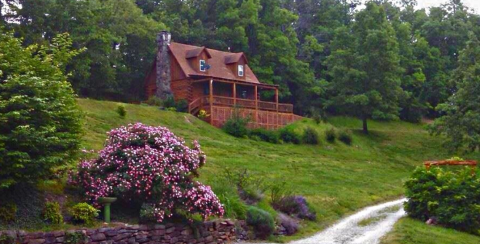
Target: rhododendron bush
(151,165)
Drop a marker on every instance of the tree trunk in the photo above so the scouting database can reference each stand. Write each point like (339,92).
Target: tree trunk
(365,126)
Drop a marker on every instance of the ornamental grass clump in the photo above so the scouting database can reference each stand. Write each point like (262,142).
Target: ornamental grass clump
(149,165)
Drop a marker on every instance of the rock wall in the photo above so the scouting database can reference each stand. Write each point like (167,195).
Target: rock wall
(213,232)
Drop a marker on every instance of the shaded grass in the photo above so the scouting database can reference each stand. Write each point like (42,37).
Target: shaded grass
(409,231)
(335,178)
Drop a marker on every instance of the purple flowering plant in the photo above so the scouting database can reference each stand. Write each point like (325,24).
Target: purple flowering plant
(151,165)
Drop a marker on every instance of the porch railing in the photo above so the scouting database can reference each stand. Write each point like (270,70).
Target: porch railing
(242,103)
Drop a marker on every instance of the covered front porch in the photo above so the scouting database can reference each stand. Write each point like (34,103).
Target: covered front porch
(217,92)
(220,98)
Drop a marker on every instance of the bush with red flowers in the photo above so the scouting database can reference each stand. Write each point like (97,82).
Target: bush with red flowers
(149,165)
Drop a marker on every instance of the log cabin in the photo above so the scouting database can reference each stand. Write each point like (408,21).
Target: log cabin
(220,83)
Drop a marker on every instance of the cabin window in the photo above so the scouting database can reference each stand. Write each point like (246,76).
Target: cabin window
(240,71)
(203,65)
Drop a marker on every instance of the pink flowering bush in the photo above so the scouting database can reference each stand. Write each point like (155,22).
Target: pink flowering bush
(149,165)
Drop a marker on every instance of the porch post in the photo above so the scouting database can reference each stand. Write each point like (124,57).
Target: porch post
(256,104)
(234,93)
(276,98)
(211,101)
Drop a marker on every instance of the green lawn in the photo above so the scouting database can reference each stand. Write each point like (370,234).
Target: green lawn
(409,231)
(336,179)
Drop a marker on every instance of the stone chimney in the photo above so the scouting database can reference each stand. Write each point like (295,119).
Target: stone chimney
(163,66)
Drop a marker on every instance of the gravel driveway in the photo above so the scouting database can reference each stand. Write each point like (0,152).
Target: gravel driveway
(365,227)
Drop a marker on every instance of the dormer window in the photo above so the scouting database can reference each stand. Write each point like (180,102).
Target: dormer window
(203,65)
(240,71)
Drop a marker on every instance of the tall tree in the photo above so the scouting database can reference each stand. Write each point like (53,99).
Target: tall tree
(120,41)
(364,66)
(40,122)
(461,120)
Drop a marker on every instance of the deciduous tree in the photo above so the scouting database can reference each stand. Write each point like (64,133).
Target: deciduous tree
(364,66)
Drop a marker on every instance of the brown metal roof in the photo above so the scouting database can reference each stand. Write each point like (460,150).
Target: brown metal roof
(218,62)
(193,53)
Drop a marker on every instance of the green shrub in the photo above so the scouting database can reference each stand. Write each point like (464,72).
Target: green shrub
(288,135)
(76,237)
(8,213)
(345,136)
(169,103)
(236,125)
(317,118)
(154,101)
(452,197)
(121,111)
(40,122)
(266,206)
(317,115)
(251,187)
(331,135)
(84,213)
(147,213)
(265,135)
(227,193)
(262,222)
(52,214)
(182,106)
(279,191)
(234,207)
(310,136)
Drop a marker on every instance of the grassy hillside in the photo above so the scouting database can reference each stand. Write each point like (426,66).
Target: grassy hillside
(409,231)
(336,179)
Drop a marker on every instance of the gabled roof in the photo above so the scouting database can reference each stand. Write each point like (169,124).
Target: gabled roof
(196,52)
(217,61)
(235,57)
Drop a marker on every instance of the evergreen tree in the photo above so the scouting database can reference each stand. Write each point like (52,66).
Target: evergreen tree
(40,124)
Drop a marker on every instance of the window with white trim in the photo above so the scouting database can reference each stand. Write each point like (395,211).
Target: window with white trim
(240,70)
(203,65)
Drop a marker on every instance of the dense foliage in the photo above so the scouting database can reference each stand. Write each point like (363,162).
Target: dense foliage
(295,44)
(84,213)
(310,136)
(51,213)
(236,125)
(149,165)
(461,120)
(345,136)
(262,222)
(387,60)
(452,198)
(365,67)
(39,118)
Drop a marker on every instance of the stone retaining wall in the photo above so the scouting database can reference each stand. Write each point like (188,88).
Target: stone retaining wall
(213,232)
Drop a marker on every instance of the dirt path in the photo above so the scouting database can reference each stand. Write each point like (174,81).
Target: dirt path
(365,227)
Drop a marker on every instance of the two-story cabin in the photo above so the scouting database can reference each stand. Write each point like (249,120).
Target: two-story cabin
(216,82)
